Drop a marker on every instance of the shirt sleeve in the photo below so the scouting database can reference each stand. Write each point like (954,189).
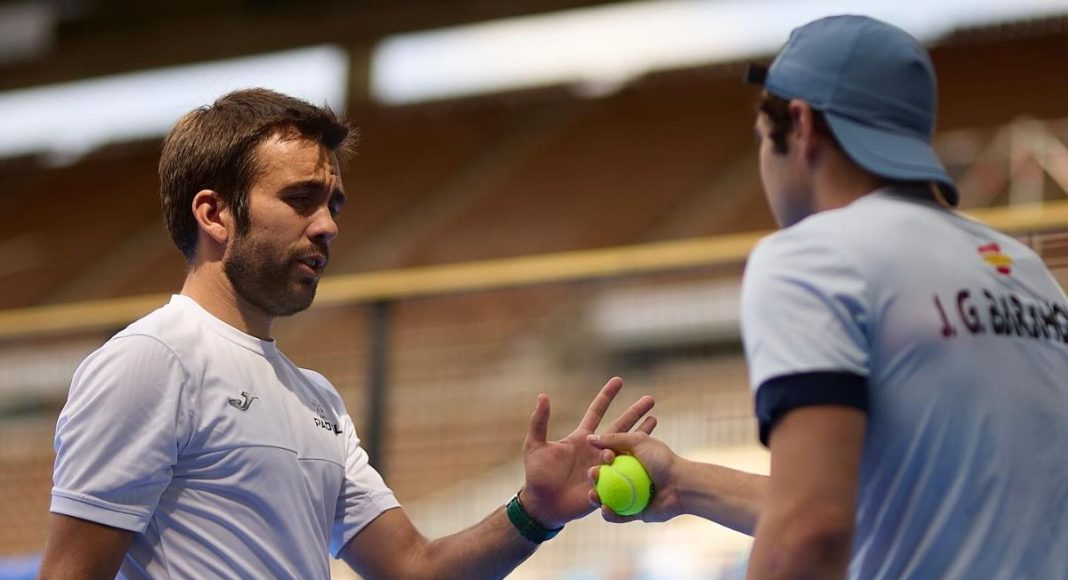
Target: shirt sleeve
(805,326)
(118,436)
(364,495)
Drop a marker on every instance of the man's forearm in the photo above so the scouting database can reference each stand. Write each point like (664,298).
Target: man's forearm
(726,496)
(490,549)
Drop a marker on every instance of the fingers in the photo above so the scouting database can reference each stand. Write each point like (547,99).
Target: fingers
(613,517)
(592,474)
(624,442)
(539,422)
(648,425)
(595,412)
(631,416)
(607,456)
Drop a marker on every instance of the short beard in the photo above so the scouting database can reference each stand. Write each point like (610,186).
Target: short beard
(263,276)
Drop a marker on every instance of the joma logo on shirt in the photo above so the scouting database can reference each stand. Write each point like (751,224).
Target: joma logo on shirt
(243,404)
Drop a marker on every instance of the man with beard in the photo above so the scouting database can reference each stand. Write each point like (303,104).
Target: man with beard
(191,447)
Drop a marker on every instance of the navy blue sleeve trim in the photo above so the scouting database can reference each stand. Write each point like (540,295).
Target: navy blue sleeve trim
(779,395)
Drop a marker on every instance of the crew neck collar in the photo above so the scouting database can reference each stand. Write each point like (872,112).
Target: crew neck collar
(267,348)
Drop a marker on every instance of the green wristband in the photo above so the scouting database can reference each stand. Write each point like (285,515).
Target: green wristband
(525,525)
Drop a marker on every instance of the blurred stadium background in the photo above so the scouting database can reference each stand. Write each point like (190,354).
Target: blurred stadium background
(496,245)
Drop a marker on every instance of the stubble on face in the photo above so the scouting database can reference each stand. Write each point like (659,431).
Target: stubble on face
(276,265)
(265,276)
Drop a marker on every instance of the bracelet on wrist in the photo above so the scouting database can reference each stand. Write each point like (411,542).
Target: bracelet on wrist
(525,524)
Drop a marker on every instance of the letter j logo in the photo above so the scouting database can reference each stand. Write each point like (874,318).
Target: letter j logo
(243,404)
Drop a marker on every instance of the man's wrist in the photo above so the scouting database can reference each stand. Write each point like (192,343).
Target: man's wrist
(687,485)
(533,508)
(526,524)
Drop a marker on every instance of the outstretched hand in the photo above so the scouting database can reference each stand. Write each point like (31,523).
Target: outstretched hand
(557,488)
(659,460)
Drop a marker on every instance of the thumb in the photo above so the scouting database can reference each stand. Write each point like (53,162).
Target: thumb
(537,431)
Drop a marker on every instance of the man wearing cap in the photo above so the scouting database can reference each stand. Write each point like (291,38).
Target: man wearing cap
(910,365)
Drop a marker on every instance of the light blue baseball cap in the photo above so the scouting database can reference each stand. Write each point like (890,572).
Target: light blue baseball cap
(875,85)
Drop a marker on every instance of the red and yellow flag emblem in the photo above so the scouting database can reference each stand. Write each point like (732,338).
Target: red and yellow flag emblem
(992,255)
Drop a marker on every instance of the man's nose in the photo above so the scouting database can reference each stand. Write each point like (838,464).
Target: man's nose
(323,227)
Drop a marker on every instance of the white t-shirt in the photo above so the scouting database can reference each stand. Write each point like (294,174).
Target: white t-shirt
(953,338)
(227,459)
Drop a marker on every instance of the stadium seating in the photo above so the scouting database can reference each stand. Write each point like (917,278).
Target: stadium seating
(671,156)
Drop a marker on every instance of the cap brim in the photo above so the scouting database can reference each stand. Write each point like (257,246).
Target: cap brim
(756,74)
(891,154)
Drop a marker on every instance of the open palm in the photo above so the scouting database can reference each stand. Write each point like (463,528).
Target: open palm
(557,487)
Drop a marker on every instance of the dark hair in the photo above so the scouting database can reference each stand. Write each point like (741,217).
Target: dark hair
(778,111)
(214,147)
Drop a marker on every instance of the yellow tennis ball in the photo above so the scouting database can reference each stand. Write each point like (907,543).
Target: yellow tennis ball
(624,486)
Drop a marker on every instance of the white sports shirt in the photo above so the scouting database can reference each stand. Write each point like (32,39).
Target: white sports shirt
(953,338)
(226,459)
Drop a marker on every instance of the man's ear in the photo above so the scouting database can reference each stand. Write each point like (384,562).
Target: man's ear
(804,134)
(213,216)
